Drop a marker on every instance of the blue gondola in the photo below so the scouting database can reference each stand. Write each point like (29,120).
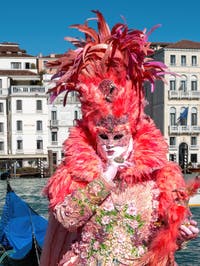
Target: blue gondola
(22,232)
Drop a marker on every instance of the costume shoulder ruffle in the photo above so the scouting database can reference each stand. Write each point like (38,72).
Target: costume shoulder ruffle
(149,154)
(79,166)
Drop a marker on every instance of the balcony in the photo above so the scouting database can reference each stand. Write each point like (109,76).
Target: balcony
(3,92)
(54,143)
(179,94)
(194,147)
(53,123)
(19,151)
(24,90)
(184,129)
(173,147)
(39,151)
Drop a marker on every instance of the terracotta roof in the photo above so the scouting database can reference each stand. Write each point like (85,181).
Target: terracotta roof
(17,73)
(12,50)
(5,54)
(184,44)
(162,44)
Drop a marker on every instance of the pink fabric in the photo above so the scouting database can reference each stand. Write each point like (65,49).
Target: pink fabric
(58,239)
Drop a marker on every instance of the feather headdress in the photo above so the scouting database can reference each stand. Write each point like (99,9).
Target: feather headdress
(108,70)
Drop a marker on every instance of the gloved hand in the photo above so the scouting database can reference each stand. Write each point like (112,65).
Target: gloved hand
(189,230)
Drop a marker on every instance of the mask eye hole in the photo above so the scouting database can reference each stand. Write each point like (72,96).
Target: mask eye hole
(112,87)
(103,136)
(118,136)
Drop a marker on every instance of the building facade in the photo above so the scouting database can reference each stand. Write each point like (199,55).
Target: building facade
(30,125)
(23,108)
(60,118)
(175,104)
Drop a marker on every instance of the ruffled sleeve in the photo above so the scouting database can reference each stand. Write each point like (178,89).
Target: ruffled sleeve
(79,206)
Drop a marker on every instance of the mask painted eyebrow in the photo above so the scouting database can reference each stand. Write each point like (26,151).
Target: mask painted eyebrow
(118,136)
(103,136)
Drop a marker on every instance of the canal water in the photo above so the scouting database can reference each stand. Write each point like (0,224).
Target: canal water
(31,191)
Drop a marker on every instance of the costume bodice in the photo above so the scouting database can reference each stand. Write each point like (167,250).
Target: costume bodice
(120,230)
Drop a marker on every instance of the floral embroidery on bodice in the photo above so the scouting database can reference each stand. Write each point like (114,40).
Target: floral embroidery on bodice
(120,230)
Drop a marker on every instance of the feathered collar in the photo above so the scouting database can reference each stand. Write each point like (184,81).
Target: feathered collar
(83,164)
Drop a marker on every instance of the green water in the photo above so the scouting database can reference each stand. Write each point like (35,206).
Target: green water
(31,191)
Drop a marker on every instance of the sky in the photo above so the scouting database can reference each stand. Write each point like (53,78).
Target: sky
(39,26)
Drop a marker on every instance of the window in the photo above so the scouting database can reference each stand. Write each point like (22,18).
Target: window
(39,144)
(39,125)
(54,136)
(183,116)
(172,60)
(1,107)
(183,85)
(27,65)
(194,116)
(194,60)
(53,115)
(44,63)
(172,141)
(75,115)
(193,158)
(172,116)
(194,85)
(172,85)
(193,141)
(19,105)
(19,144)
(16,65)
(172,157)
(183,60)
(0,83)
(1,127)
(39,105)
(54,155)
(19,125)
(1,146)
(54,121)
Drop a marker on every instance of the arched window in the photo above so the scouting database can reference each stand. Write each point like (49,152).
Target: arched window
(172,116)
(183,116)
(183,83)
(172,83)
(194,116)
(194,83)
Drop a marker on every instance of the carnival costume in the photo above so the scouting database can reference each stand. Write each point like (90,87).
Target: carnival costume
(135,218)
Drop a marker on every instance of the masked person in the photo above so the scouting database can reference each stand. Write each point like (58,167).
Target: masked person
(115,199)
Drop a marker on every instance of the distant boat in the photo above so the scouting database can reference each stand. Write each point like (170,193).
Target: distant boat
(30,175)
(4,175)
(22,232)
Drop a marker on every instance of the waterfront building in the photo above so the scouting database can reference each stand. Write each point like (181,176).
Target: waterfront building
(31,127)
(60,118)
(23,108)
(175,104)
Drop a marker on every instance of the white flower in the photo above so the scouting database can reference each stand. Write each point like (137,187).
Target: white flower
(131,210)
(105,220)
